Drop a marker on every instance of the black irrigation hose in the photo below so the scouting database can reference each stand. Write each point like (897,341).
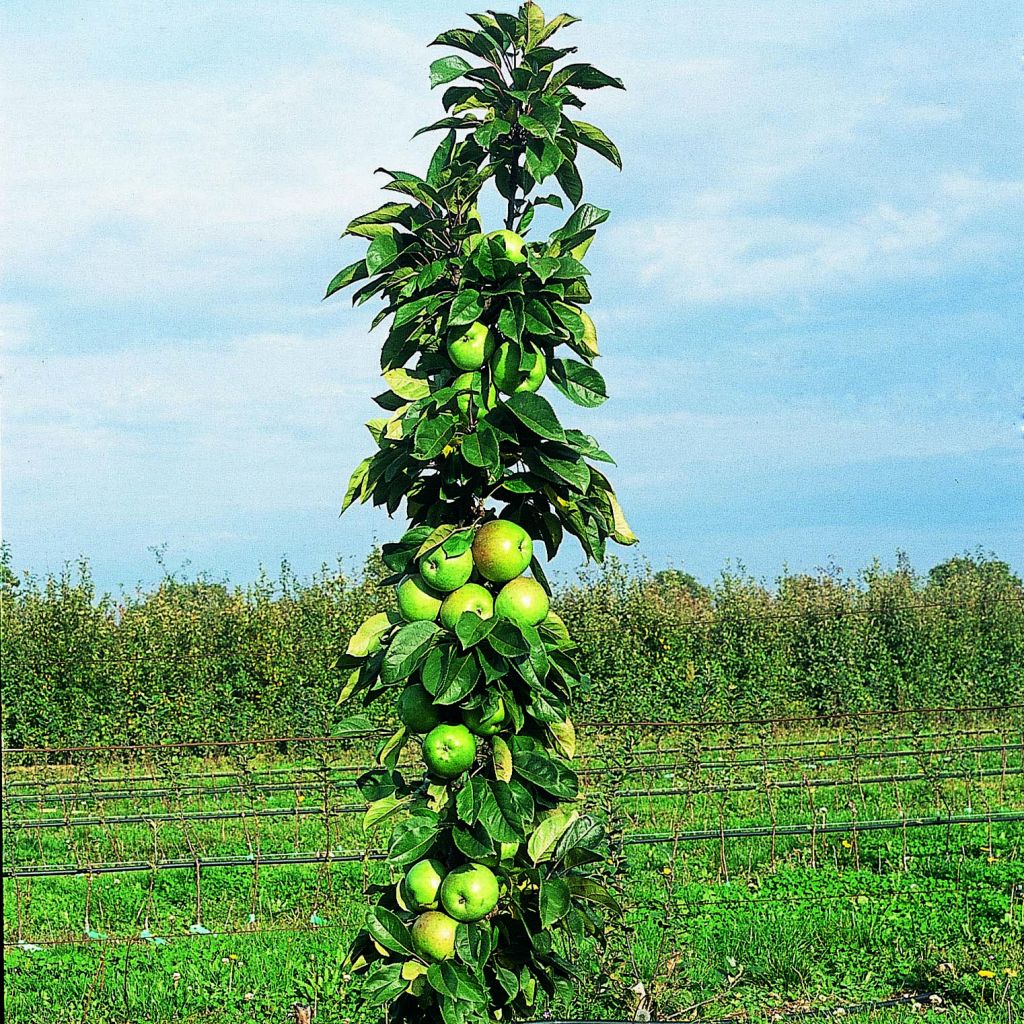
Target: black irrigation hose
(645,839)
(314,784)
(319,810)
(849,738)
(198,816)
(815,828)
(824,718)
(867,780)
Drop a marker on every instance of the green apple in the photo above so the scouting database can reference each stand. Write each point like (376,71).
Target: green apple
(416,709)
(470,892)
(416,601)
(524,601)
(513,244)
(472,348)
(511,376)
(421,883)
(446,572)
(501,550)
(485,724)
(468,598)
(433,935)
(470,391)
(449,750)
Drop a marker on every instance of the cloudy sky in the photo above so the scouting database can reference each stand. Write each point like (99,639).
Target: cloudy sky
(809,294)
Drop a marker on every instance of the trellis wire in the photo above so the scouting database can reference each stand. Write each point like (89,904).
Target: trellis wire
(327,857)
(596,726)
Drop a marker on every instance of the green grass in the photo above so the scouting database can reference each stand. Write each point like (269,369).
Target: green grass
(713,927)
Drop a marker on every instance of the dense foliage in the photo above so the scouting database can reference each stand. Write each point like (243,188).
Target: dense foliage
(198,659)
(493,889)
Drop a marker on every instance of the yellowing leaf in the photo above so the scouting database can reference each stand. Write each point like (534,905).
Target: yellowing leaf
(502,760)
(589,334)
(367,637)
(564,736)
(405,385)
(413,969)
(622,533)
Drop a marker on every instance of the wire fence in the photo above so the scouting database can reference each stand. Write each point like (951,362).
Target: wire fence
(259,837)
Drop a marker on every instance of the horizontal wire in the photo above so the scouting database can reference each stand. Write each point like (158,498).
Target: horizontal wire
(768,743)
(597,726)
(739,764)
(746,832)
(319,810)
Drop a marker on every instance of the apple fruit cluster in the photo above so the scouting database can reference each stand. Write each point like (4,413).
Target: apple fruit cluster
(484,580)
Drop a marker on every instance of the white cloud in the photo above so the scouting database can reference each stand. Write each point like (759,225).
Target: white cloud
(269,420)
(712,258)
(121,187)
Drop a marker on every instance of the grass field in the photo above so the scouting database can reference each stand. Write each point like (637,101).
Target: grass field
(792,868)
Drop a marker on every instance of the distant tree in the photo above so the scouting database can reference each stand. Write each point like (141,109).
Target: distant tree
(676,579)
(981,566)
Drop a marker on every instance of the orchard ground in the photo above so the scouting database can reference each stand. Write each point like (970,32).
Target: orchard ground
(736,916)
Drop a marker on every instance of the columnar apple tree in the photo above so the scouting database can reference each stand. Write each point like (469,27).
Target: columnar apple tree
(492,888)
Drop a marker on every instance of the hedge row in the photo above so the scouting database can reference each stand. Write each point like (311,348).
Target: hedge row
(198,659)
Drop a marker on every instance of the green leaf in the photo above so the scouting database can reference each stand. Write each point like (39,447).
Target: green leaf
(369,224)
(542,159)
(474,843)
(573,471)
(595,139)
(356,485)
(570,182)
(433,436)
(586,832)
(512,321)
(454,980)
(564,736)
(556,23)
(454,540)
(389,750)
(470,799)
(583,219)
(535,413)
(554,901)
(501,814)
(383,251)
(583,76)
(481,448)
(547,834)
(383,808)
(382,983)
(441,158)
(367,637)
(584,888)
(388,929)
(471,629)
(507,640)
(466,308)
(353,272)
(579,383)
(407,651)
(447,69)
(456,677)
(354,725)
(413,842)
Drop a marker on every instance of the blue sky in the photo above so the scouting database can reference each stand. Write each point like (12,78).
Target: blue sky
(809,294)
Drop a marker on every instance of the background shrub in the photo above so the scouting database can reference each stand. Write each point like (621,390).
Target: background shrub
(198,659)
